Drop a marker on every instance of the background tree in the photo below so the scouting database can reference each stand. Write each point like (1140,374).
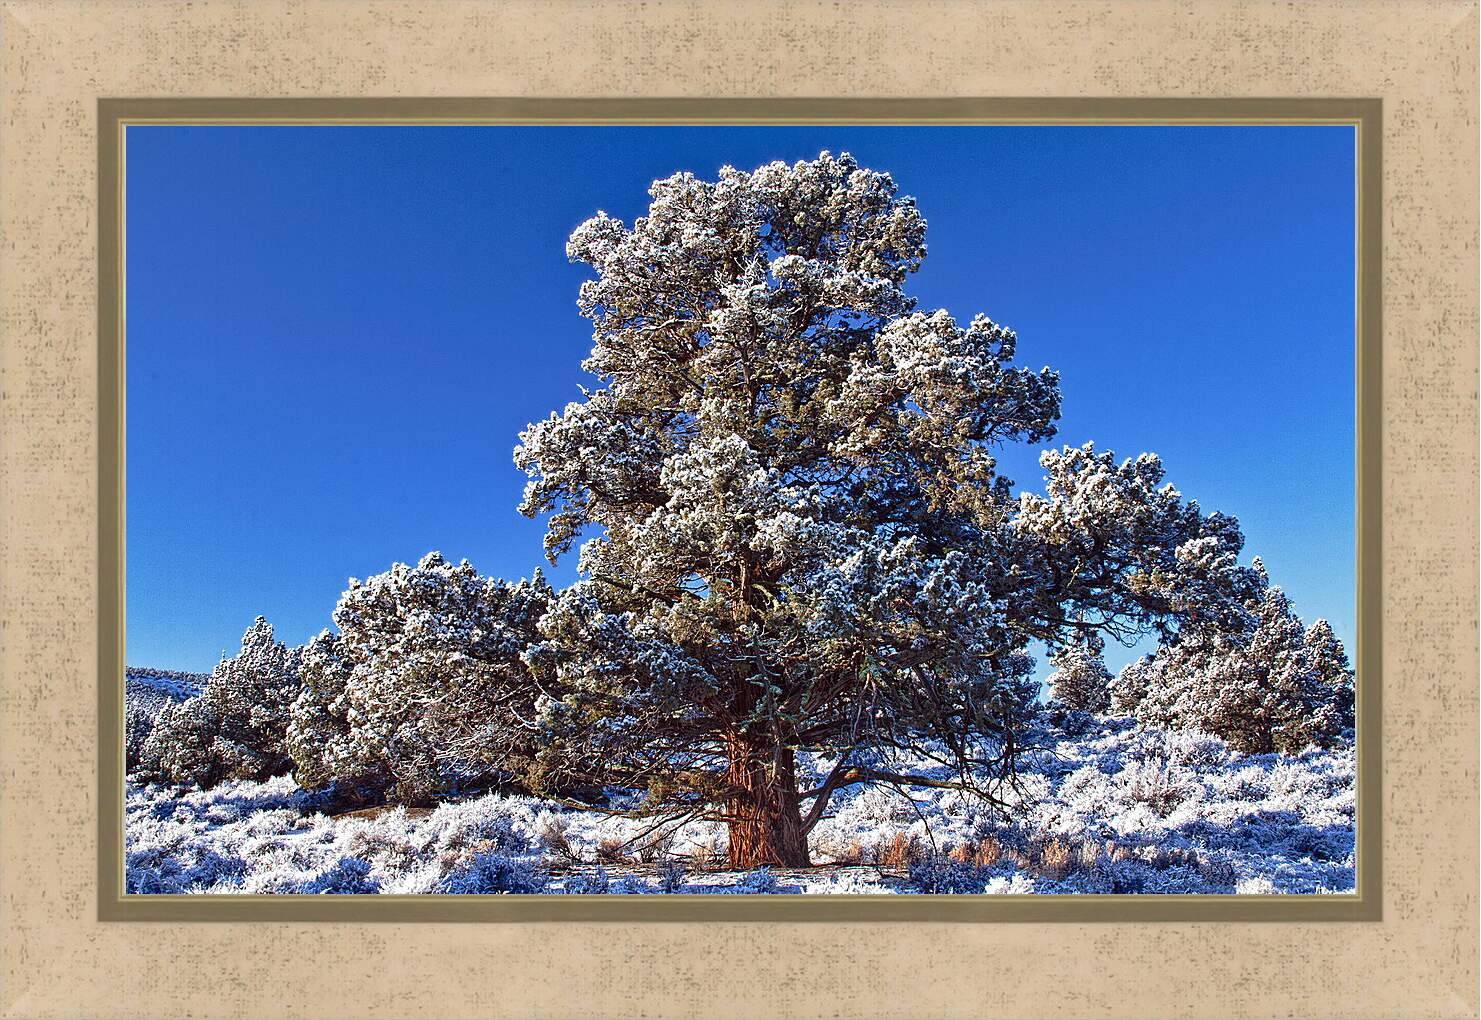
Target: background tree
(1275,685)
(423,690)
(1080,680)
(798,536)
(146,693)
(237,726)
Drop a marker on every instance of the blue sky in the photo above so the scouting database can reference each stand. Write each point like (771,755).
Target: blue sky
(334,334)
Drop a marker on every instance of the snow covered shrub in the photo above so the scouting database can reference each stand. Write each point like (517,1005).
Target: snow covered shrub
(1160,785)
(423,691)
(236,727)
(932,873)
(494,873)
(758,882)
(592,883)
(1054,857)
(341,875)
(1080,680)
(553,832)
(671,877)
(982,853)
(504,823)
(160,856)
(1271,685)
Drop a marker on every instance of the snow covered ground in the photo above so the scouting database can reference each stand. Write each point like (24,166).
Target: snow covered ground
(1105,807)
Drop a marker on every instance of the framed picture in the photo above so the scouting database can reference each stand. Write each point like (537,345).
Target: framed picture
(803,637)
(540,512)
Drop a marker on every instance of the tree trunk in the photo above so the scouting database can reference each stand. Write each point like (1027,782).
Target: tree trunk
(765,816)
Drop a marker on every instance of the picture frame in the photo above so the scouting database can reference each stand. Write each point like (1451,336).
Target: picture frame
(115,116)
(59,411)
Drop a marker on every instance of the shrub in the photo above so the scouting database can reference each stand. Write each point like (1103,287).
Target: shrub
(707,855)
(424,690)
(613,850)
(981,853)
(1160,785)
(654,848)
(494,873)
(552,831)
(593,883)
(931,873)
(339,876)
(760,882)
(1056,857)
(671,877)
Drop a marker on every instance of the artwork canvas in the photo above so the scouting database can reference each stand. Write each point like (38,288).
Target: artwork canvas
(740,510)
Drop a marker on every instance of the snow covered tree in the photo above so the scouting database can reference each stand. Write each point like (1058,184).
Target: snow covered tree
(319,723)
(797,537)
(236,727)
(424,687)
(1327,659)
(1273,685)
(146,693)
(1080,680)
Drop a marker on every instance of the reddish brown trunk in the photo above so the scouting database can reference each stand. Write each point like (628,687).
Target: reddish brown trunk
(765,816)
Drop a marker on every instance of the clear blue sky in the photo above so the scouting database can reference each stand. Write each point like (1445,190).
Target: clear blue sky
(336,333)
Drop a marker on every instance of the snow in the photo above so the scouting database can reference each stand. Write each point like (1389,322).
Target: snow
(1103,805)
(142,683)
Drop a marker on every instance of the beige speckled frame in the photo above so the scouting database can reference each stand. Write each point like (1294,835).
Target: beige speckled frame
(60,960)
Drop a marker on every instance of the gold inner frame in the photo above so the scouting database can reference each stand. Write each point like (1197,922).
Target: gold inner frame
(1364,115)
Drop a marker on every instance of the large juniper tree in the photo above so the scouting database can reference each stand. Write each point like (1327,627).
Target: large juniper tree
(796,534)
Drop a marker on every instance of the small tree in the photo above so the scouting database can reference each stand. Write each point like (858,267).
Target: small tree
(146,693)
(799,536)
(1273,685)
(1080,680)
(236,727)
(424,688)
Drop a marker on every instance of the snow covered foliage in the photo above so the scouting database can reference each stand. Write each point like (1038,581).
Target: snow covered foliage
(423,689)
(1113,807)
(799,535)
(1080,680)
(1274,685)
(233,729)
(146,693)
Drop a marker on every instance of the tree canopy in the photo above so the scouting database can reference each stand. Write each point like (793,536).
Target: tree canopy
(795,532)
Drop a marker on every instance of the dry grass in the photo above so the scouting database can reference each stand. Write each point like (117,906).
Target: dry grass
(654,848)
(454,857)
(1056,857)
(899,851)
(613,850)
(554,837)
(707,856)
(375,811)
(982,853)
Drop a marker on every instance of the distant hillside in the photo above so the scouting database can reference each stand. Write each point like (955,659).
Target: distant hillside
(146,692)
(151,684)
